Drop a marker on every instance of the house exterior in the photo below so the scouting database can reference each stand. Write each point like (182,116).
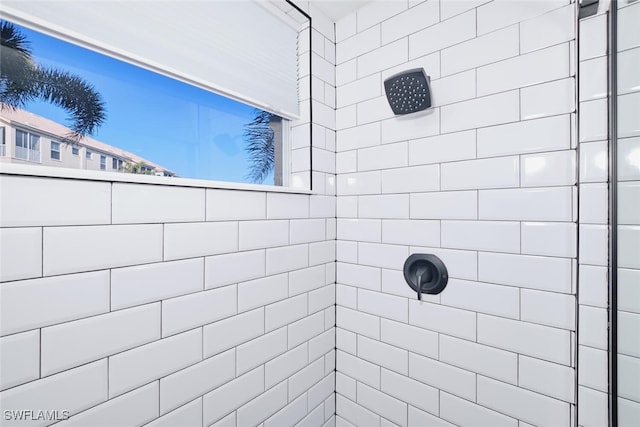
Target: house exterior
(31,139)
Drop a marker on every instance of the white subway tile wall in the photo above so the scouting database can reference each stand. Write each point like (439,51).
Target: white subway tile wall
(113,328)
(486,180)
(628,215)
(128,304)
(593,216)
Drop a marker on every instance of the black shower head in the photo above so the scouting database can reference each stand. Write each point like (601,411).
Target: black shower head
(408,92)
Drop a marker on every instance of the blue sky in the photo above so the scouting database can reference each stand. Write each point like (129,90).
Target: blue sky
(196,133)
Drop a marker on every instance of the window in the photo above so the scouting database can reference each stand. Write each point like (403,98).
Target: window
(103,162)
(75,151)
(88,154)
(27,146)
(55,150)
(116,164)
(237,137)
(2,150)
(265,72)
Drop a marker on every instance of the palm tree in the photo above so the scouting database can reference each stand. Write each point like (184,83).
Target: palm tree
(260,146)
(136,168)
(22,81)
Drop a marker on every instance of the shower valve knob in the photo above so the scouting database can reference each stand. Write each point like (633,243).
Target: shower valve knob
(425,273)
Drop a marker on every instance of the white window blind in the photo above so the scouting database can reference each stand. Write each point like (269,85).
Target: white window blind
(234,47)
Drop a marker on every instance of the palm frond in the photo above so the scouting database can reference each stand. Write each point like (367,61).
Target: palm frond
(260,146)
(11,37)
(16,67)
(84,104)
(23,81)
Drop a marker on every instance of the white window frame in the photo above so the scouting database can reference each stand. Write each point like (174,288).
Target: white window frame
(32,154)
(103,162)
(59,151)
(3,150)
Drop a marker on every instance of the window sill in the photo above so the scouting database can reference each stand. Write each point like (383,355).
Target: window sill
(100,175)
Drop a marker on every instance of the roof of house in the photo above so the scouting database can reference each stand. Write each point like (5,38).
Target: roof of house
(27,119)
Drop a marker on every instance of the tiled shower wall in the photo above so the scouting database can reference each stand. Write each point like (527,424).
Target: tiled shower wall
(130,303)
(628,99)
(125,302)
(594,217)
(486,181)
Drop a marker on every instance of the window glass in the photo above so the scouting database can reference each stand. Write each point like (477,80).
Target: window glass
(89,154)
(103,162)
(203,135)
(27,146)
(55,150)
(34,142)
(75,150)
(22,139)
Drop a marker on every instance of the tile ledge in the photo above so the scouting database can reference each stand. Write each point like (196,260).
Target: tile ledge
(88,175)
